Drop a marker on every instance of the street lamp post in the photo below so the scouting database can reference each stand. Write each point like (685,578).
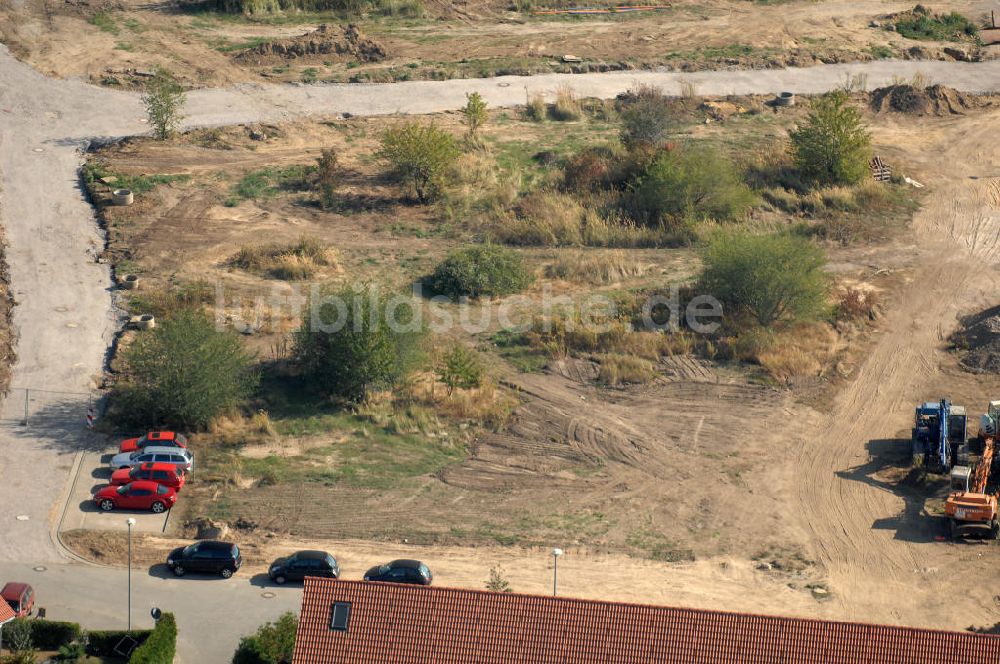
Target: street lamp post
(131,522)
(555,569)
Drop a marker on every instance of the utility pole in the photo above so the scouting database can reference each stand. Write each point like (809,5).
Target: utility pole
(555,570)
(131,522)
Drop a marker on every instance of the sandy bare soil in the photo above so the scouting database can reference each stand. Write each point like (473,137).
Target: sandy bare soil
(106,42)
(819,490)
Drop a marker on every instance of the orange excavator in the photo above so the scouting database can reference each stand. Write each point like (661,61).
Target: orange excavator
(970,509)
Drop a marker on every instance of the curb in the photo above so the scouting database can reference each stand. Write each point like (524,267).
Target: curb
(56,531)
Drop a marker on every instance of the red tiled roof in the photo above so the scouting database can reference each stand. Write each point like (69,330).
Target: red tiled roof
(392,624)
(6,613)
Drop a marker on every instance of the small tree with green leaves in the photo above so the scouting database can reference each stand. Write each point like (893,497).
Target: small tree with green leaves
(461,368)
(475,114)
(498,582)
(693,181)
(163,100)
(771,278)
(329,176)
(274,643)
(182,374)
(420,156)
(353,342)
(17,638)
(832,147)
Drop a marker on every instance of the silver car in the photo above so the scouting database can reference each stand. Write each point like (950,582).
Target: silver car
(177,456)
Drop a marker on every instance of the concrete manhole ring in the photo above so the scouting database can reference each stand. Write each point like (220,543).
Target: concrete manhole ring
(22,517)
(267,594)
(38,149)
(503,85)
(40,568)
(143,120)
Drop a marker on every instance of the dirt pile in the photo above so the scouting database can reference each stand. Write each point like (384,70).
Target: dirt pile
(350,41)
(934,100)
(979,337)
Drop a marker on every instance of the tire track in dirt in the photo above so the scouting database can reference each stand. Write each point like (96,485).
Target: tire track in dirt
(957,235)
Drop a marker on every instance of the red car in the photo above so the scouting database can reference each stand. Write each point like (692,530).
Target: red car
(20,597)
(166,474)
(158,438)
(138,495)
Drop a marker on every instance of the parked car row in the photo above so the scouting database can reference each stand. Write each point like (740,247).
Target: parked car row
(224,558)
(147,473)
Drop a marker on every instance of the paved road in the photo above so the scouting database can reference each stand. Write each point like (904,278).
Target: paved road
(65,318)
(212,613)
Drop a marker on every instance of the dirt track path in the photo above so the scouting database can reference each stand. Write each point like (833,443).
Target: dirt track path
(870,566)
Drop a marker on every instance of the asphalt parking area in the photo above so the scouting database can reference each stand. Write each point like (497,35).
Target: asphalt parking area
(83,513)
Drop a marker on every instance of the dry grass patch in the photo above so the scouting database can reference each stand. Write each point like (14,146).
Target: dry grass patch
(288,262)
(594,267)
(616,370)
(235,429)
(804,351)
(567,105)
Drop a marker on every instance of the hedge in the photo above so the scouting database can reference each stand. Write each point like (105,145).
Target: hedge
(50,634)
(161,645)
(101,643)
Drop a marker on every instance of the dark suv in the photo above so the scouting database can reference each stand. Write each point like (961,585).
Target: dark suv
(206,556)
(301,564)
(401,571)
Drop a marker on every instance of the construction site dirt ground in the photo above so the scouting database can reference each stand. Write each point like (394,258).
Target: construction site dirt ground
(750,496)
(106,41)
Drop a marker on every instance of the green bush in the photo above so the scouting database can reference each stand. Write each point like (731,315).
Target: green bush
(273,643)
(461,368)
(182,374)
(102,643)
(163,100)
(50,634)
(692,182)
(475,113)
(161,645)
(771,278)
(833,145)
(646,118)
(420,156)
(480,270)
(329,176)
(347,345)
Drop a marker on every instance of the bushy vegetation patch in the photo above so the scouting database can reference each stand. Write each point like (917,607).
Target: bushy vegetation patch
(478,271)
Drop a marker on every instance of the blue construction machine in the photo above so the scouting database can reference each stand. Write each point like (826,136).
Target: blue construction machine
(939,436)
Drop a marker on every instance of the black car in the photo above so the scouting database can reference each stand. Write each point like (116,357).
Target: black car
(401,571)
(206,556)
(301,564)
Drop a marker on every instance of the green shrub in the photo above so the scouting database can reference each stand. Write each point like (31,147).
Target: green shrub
(71,652)
(163,100)
(691,182)
(50,634)
(347,346)
(182,374)
(833,145)
(771,278)
(461,368)
(274,643)
(161,645)
(646,118)
(329,176)
(475,113)
(420,156)
(480,270)
(102,643)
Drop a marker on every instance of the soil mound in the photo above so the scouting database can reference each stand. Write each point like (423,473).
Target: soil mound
(934,100)
(348,41)
(980,337)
